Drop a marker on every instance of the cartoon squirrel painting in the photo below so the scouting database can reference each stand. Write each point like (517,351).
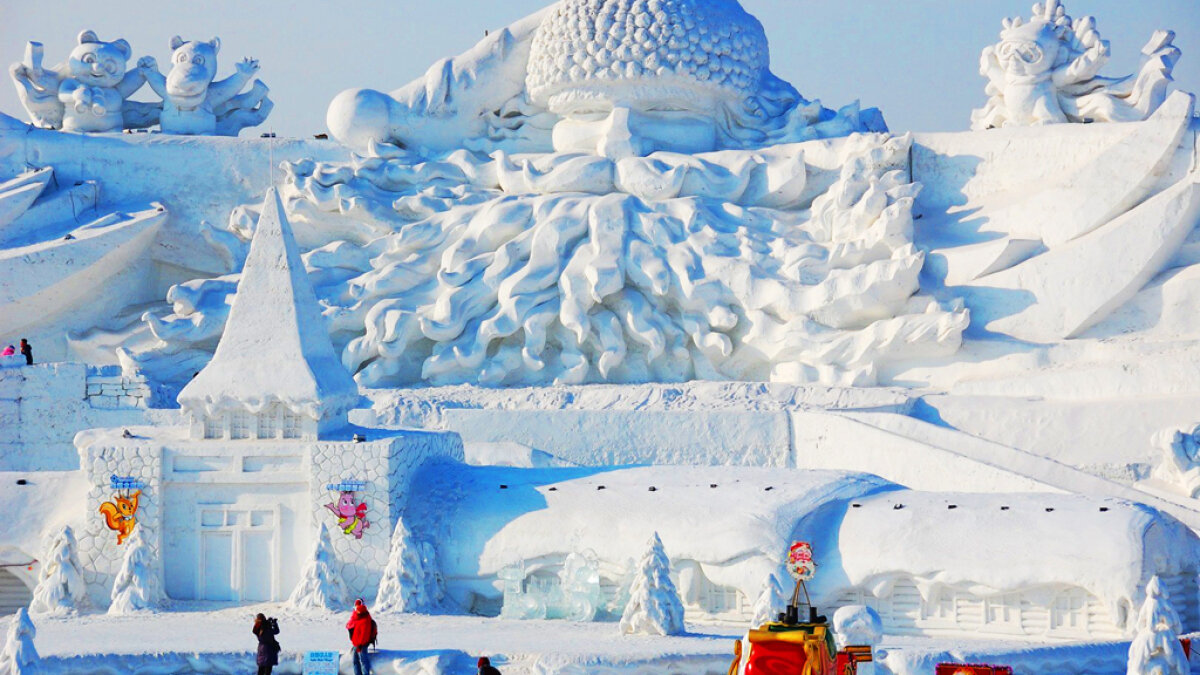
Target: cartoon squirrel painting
(120,514)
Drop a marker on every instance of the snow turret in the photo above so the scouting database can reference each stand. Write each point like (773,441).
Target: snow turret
(275,373)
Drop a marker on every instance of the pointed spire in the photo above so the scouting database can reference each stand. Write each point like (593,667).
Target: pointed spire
(276,348)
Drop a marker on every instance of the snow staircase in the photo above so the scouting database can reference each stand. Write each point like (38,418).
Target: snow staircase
(924,456)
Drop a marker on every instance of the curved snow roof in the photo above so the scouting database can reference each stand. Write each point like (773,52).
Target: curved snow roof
(276,346)
(995,543)
(736,521)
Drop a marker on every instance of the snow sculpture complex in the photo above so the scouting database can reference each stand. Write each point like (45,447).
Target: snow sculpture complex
(87,93)
(632,245)
(1046,71)
(194,104)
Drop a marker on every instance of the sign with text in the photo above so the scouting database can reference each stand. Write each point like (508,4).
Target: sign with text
(321,663)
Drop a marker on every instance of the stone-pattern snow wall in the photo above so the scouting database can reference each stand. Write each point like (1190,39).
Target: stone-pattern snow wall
(110,392)
(386,467)
(99,554)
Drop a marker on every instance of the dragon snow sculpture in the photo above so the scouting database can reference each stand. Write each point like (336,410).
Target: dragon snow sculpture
(1046,71)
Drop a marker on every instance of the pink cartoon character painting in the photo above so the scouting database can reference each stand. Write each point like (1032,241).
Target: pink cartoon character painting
(351,514)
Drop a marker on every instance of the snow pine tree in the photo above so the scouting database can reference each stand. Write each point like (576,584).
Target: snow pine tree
(136,588)
(409,581)
(1155,649)
(19,655)
(320,586)
(654,606)
(771,601)
(61,590)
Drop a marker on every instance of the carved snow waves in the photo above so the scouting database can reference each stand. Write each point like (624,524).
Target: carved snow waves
(569,268)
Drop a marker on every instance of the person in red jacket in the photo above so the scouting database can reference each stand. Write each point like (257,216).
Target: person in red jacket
(362,633)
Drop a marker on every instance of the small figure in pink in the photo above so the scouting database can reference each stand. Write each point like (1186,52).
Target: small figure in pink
(351,514)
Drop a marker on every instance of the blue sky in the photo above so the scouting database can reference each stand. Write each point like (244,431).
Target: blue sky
(917,60)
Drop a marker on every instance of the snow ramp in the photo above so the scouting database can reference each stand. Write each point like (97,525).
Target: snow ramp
(925,456)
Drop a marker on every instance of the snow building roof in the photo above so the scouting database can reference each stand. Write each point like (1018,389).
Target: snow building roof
(997,543)
(738,518)
(276,345)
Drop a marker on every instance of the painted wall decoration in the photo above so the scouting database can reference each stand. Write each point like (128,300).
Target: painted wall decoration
(350,511)
(120,514)
(800,561)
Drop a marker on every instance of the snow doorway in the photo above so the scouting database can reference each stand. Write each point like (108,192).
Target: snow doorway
(14,594)
(239,553)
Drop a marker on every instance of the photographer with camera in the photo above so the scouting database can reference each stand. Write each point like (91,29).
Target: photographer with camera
(268,647)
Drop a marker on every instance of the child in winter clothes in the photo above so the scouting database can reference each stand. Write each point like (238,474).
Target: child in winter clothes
(485,666)
(362,631)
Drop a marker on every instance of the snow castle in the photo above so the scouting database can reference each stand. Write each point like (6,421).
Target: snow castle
(231,503)
(605,275)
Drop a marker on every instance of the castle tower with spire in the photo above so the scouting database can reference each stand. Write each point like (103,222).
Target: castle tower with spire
(275,373)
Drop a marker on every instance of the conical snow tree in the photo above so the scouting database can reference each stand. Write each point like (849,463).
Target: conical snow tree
(409,582)
(771,601)
(137,587)
(654,606)
(321,586)
(61,589)
(1155,649)
(19,655)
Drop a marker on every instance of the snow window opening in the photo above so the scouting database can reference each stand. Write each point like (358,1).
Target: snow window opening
(214,426)
(291,424)
(1069,613)
(239,424)
(267,425)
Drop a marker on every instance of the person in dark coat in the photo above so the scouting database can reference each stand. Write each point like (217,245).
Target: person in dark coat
(486,667)
(27,350)
(268,647)
(362,633)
